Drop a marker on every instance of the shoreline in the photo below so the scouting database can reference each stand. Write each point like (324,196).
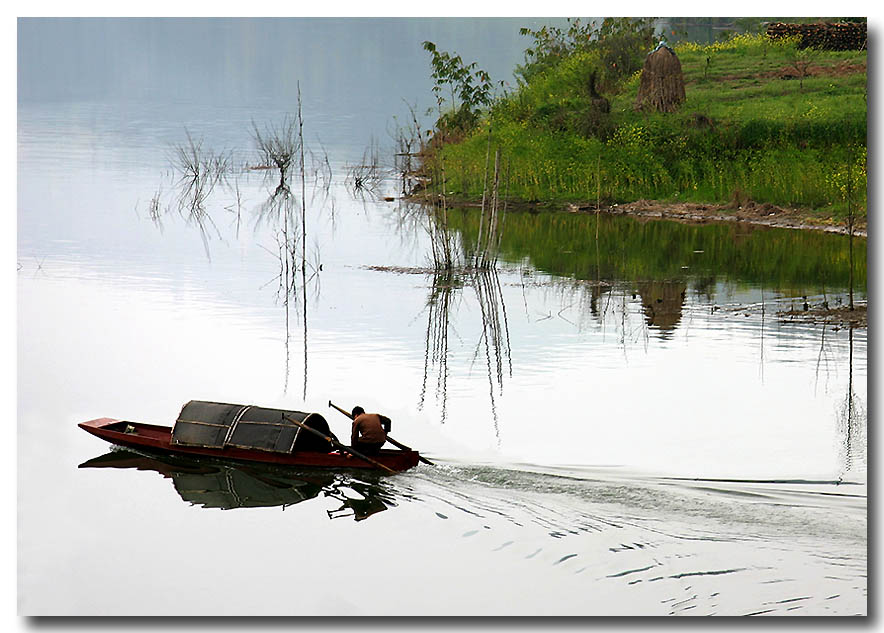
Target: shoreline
(760,214)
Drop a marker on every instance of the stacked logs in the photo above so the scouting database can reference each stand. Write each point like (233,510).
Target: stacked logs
(839,36)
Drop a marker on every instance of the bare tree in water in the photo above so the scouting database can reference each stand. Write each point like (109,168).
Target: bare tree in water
(410,144)
(281,146)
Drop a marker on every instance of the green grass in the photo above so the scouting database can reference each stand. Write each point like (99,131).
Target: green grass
(743,132)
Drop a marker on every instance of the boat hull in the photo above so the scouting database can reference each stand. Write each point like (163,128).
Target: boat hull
(155,438)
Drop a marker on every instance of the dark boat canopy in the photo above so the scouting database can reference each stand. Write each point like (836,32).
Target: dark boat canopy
(216,425)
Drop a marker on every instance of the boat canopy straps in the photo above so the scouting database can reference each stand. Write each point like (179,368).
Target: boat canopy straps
(216,425)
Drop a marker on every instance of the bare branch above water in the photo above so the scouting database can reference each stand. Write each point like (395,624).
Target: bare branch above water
(278,144)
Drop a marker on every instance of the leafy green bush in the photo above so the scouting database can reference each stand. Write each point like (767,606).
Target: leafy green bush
(620,44)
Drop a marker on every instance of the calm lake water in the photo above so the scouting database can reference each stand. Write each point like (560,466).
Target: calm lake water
(633,424)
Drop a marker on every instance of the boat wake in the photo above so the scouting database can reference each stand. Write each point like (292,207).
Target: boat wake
(663,545)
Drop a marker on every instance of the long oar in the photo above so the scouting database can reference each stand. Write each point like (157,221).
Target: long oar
(340,446)
(389,439)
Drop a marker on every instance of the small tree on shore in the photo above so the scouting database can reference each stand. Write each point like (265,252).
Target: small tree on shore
(470,89)
(800,61)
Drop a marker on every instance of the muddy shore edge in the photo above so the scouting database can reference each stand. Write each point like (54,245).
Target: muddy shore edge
(748,213)
(763,214)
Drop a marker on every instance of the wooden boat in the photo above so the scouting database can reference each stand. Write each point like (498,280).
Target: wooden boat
(243,433)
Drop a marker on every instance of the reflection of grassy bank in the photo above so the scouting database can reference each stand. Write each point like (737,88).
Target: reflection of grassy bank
(751,129)
(630,250)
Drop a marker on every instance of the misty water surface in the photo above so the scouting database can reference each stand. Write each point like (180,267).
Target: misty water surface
(636,424)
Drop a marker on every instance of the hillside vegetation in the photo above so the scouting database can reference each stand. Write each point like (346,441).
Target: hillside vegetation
(763,121)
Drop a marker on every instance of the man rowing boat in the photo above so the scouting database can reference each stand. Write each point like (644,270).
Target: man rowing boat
(369,431)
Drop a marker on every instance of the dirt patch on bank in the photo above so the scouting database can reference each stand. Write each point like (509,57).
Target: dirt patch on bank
(816,70)
(812,70)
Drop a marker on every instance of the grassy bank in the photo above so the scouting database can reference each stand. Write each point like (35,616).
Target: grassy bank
(763,122)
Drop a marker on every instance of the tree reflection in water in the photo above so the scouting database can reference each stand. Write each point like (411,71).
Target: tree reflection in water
(215,485)
(198,171)
(852,421)
(279,209)
(454,267)
(495,339)
(493,345)
(436,343)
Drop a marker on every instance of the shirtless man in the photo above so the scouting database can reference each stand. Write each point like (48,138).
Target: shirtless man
(369,431)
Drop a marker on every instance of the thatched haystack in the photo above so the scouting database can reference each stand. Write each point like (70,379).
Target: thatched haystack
(662,83)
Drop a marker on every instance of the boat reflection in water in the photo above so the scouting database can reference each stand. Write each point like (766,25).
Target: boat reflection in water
(226,487)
